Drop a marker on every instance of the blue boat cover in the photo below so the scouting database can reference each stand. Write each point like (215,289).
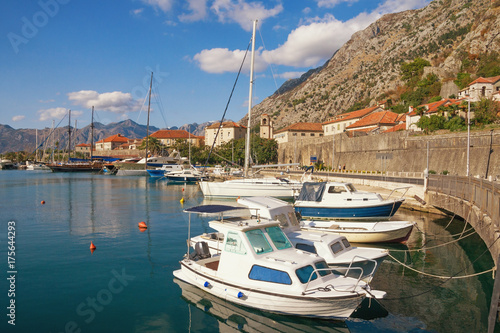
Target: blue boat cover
(312,191)
(211,209)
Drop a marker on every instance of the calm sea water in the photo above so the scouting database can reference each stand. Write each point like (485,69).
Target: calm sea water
(126,284)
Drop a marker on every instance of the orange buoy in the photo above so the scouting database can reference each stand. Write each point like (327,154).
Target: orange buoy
(43,202)
(143,225)
(183,189)
(92,246)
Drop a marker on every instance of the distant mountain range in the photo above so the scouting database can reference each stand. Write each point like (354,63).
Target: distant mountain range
(14,140)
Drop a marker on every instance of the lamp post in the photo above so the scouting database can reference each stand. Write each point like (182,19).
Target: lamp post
(468,133)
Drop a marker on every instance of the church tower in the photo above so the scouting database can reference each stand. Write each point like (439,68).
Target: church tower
(266,126)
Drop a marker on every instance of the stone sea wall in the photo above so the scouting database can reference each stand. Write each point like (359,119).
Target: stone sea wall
(401,151)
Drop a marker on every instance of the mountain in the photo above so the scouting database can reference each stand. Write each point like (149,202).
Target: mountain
(450,34)
(14,140)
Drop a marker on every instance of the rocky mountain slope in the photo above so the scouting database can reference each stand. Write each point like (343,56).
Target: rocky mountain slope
(367,68)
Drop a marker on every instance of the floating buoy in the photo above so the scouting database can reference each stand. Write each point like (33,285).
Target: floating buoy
(143,225)
(183,189)
(43,202)
(92,246)
(182,200)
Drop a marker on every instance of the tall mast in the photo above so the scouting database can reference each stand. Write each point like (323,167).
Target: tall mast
(247,147)
(147,127)
(69,134)
(53,144)
(92,134)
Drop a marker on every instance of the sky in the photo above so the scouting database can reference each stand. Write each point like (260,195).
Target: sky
(60,55)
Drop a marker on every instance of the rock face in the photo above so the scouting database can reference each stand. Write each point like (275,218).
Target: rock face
(367,67)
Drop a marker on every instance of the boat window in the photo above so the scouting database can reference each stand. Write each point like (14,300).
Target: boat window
(304,273)
(336,247)
(261,273)
(346,243)
(351,187)
(293,218)
(278,238)
(306,247)
(321,265)
(336,189)
(258,241)
(234,243)
(282,219)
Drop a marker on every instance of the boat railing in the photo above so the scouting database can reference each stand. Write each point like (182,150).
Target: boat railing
(400,188)
(330,269)
(369,275)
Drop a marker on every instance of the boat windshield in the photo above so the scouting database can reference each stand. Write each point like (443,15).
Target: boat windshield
(278,238)
(321,266)
(351,187)
(234,243)
(304,273)
(282,219)
(258,241)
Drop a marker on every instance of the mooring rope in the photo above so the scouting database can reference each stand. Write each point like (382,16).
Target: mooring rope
(440,276)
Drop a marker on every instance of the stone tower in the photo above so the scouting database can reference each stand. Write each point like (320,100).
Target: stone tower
(266,127)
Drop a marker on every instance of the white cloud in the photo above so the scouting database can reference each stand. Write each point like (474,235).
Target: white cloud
(163,5)
(198,11)
(220,60)
(332,3)
(116,101)
(242,12)
(18,118)
(57,113)
(137,11)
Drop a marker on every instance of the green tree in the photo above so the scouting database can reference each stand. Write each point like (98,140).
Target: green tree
(432,123)
(485,111)
(154,145)
(413,70)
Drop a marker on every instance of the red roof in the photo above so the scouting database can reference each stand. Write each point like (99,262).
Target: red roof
(225,124)
(492,79)
(172,134)
(114,138)
(433,107)
(352,115)
(302,127)
(399,127)
(83,145)
(376,119)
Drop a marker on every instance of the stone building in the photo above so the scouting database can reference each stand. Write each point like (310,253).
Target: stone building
(228,131)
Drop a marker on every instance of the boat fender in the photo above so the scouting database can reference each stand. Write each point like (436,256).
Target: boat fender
(235,293)
(206,284)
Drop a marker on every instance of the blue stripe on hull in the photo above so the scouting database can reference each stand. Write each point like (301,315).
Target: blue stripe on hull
(382,211)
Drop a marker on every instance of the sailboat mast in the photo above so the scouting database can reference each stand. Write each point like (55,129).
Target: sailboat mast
(147,127)
(69,134)
(92,135)
(247,147)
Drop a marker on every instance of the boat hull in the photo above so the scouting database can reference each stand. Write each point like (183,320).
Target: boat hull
(359,232)
(383,210)
(339,308)
(76,168)
(246,188)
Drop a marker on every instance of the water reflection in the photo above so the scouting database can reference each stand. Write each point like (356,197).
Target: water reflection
(231,316)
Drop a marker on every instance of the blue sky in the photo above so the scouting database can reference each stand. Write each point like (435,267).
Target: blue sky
(57,55)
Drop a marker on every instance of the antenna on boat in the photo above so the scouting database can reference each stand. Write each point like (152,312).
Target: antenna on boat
(247,148)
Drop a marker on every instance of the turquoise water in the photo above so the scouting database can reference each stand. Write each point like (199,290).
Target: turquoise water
(126,284)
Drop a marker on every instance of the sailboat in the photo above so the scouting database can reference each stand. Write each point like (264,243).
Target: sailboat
(82,166)
(248,187)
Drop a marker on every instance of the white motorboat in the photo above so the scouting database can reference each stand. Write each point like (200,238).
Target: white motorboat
(334,248)
(335,200)
(185,175)
(164,169)
(245,187)
(259,268)
(363,232)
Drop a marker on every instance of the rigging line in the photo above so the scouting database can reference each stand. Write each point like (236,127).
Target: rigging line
(142,106)
(48,136)
(440,236)
(227,105)
(437,246)
(159,101)
(270,64)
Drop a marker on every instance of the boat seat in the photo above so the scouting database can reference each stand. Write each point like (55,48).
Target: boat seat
(201,251)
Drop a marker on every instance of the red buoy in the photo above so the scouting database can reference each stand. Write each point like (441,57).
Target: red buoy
(142,225)
(92,246)
(43,202)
